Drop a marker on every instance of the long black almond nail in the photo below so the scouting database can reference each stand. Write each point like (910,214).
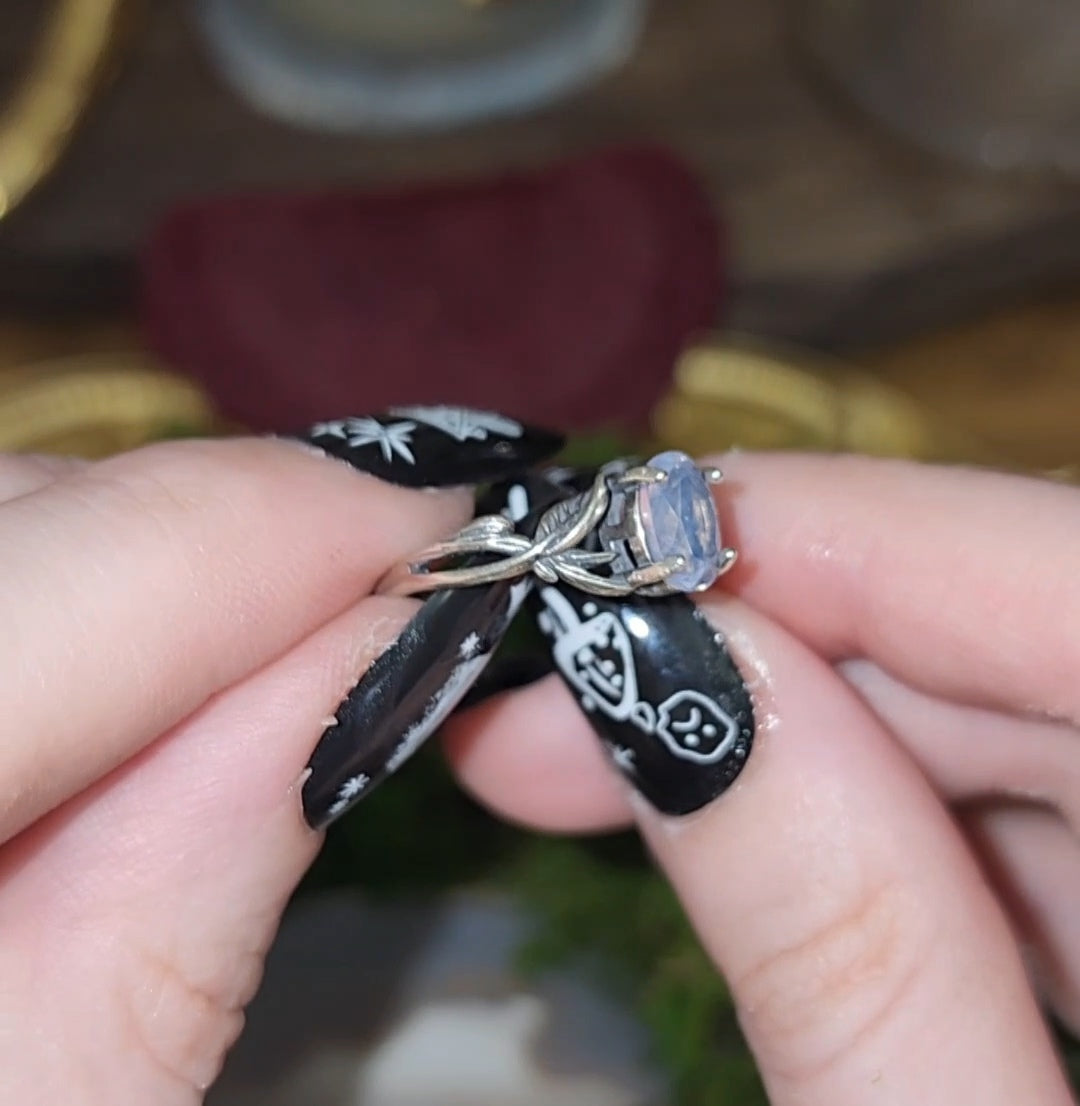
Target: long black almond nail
(509,674)
(653,677)
(659,687)
(406,694)
(436,446)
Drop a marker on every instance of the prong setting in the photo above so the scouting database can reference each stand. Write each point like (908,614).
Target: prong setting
(647,528)
(642,474)
(653,574)
(670,522)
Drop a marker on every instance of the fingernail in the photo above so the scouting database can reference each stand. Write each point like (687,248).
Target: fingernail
(659,687)
(406,694)
(435,446)
(508,674)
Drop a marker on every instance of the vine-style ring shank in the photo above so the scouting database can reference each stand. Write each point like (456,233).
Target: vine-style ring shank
(650,529)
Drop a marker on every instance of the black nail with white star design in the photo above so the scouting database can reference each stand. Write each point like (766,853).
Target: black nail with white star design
(435,446)
(406,694)
(412,687)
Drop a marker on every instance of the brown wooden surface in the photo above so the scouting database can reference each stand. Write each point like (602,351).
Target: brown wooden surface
(839,235)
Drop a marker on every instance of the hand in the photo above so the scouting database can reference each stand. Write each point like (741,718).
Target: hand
(894,879)
(175,626)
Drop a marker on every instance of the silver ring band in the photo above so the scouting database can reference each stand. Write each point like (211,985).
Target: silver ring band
(649,529)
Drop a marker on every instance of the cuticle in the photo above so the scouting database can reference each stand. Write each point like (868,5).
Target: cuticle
(367,651)
(755,672)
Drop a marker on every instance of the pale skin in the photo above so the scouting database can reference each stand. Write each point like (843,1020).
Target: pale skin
(891,888)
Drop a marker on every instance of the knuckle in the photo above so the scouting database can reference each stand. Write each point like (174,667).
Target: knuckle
(180,494)
(169,477)
(164,495)
(812,1003)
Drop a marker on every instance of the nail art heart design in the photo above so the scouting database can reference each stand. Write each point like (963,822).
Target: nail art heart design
(436,446)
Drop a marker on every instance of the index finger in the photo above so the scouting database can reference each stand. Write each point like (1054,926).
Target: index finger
(134,590)
(961,583)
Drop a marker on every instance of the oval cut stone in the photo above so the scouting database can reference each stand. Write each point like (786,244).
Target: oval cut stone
(678,518)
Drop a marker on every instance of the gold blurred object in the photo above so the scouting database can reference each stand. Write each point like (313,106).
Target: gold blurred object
(97,404)
(69,63)
(748,394)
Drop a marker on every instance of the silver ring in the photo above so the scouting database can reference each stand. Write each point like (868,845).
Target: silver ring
(650,529)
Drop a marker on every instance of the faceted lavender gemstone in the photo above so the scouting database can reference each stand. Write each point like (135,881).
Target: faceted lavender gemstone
(679,520)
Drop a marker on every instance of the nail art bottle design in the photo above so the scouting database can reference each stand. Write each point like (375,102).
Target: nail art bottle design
(659,687)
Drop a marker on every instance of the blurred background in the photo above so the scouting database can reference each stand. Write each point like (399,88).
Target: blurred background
(812,224)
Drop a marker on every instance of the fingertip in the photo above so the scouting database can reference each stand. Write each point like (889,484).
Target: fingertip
(956,580)
(530,757)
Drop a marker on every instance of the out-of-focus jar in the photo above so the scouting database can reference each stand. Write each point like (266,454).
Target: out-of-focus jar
(992,82)
(386,65)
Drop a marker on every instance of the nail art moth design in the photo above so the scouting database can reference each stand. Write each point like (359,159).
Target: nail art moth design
(435,447)
(418,446)
(393,439)
(462,423)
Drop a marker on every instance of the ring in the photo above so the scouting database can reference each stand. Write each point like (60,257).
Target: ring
(650,529)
